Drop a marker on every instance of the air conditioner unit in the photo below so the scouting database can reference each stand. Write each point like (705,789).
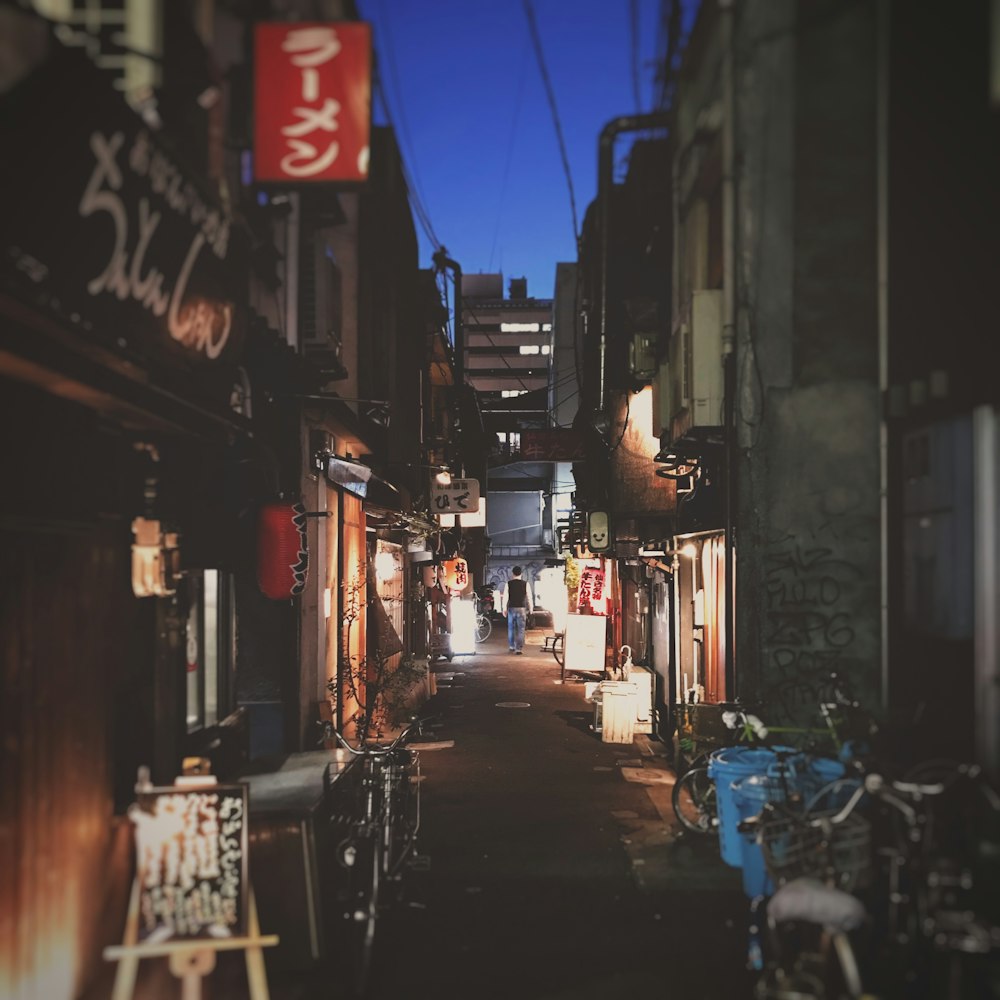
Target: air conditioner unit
(691,387)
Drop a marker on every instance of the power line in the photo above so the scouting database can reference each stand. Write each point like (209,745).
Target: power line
(633,8)
(413,188)
(422,216)
(529,12)
(386,33)
(510,150)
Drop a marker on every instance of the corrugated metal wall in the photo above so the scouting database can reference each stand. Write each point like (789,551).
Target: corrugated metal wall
(64,625)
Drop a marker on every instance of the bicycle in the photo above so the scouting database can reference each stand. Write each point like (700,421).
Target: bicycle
(933,937)
(693,796)
(377,829)
(484,626)
(937,915)
(815,859)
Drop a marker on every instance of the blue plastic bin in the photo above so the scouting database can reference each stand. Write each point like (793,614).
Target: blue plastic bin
(729,764)
(806,777)
(750,794)
(818,772)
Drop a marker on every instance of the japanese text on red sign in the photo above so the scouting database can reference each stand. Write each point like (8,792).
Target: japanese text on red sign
(312,101)
(591,591)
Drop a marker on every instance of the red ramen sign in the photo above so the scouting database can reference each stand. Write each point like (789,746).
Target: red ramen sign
(312,101)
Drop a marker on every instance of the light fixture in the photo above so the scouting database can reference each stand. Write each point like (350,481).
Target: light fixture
(352,475)
(377,410)
(385,565)
(155,559)
(600,422)
(442,474)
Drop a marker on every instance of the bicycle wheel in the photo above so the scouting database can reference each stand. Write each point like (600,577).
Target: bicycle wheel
(483,627)
(693,799)
(364,912)
(403,819)
(558,650)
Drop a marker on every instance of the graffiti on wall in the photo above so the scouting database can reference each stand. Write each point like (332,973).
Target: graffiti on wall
(817,602)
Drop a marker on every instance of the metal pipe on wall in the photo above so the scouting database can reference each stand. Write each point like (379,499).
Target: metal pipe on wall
(605,181)
(729,333)
(882,221)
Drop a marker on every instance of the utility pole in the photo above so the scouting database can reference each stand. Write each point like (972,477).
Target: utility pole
(441,262)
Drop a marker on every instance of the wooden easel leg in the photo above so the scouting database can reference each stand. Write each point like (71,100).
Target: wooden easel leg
(256,973)
(191,967)
(128,965)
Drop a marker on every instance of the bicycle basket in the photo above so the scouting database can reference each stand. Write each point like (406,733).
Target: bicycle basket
(794,847)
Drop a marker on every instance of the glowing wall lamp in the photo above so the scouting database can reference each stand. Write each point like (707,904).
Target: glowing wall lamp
(155,559)
(386,566)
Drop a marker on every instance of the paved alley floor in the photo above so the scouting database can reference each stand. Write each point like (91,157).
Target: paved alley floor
(552,874)
(556,869)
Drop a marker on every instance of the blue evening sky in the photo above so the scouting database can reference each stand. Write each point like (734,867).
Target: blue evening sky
(467,99)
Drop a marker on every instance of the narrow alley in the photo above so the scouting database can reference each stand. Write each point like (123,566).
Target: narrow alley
(333,333)
(552,875)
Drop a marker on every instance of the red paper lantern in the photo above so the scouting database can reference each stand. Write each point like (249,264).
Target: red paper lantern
(454,575)
(282,557)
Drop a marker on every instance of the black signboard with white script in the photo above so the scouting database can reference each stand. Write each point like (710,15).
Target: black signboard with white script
(100,220)
(191,862)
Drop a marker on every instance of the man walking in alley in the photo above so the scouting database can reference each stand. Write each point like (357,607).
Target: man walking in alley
(515,605)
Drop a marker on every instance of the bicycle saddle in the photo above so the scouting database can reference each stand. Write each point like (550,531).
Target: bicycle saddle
(810,900)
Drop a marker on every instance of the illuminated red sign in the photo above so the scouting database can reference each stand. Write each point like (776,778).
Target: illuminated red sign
(555,444)
(312,101)
(592,594)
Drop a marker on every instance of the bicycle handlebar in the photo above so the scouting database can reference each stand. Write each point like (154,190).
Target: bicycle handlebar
(377,749)
(736,715)
(901,795)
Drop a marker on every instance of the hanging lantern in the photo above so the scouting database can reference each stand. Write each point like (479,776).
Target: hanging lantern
(455,575)
(282,557)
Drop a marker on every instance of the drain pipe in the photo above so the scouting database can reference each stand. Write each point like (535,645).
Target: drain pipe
(729,332)
(605,180)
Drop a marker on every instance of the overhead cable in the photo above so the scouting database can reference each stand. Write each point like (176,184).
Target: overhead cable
(529,12)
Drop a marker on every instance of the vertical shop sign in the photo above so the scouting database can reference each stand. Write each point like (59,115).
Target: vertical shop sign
(591,594)
(312,101)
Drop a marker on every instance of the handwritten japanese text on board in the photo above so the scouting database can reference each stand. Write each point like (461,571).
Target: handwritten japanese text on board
(191,854)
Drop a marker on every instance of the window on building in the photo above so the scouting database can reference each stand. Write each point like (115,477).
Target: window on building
(511,440)
(210,648)
(528,349)
(519,327)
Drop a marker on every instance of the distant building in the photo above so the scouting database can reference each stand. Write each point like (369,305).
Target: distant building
(509,361)
(508,355)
